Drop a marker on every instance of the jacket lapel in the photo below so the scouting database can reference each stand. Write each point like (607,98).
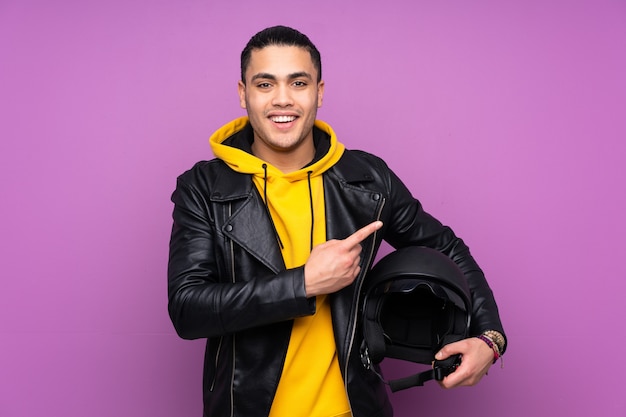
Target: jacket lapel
(245,218)
(350,199)
(251,228)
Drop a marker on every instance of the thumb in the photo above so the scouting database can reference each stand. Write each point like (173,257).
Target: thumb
(447,350)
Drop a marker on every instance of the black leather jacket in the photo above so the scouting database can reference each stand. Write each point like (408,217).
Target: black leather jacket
(227,281)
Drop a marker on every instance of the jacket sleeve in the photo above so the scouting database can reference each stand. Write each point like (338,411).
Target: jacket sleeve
(408,224)
(202,299)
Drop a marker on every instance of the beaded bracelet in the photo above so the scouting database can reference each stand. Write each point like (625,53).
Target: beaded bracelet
(489,342)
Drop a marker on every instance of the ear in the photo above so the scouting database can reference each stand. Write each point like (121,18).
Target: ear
(241,87)
(320,93)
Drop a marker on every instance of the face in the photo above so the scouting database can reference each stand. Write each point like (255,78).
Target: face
(281,96)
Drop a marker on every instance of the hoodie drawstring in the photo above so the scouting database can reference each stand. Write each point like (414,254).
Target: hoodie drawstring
(267,206)
(311,204)
(269,214)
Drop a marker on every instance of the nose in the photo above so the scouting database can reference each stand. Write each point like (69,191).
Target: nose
(282,96)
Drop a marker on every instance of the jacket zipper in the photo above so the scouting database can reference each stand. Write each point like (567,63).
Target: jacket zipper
(356,306)
(219,346)
(232,274)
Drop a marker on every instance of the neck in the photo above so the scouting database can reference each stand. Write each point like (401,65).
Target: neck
(287,160)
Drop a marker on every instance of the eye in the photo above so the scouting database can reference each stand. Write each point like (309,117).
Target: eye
(299,84)
(264,85)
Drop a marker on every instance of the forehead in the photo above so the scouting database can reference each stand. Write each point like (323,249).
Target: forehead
(280,61)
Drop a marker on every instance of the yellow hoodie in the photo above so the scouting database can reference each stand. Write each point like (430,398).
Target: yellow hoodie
(311,384)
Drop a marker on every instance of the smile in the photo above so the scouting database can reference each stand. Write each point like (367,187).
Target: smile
(282,119)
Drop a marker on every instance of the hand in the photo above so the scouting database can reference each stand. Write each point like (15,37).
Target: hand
(477,358)
(334,264)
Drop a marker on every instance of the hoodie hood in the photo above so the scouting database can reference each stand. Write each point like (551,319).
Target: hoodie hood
(293,199)
(243,161)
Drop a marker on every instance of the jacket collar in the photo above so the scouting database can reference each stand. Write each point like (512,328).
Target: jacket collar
(348,169)
(351,169)
(228,185)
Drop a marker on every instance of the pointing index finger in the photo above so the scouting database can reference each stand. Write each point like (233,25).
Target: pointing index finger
(361,234)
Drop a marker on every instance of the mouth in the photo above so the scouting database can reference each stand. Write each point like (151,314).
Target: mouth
(282,119)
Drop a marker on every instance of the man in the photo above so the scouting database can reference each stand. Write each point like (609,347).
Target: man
(271,243)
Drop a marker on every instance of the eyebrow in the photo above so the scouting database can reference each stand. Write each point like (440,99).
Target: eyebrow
(267,76)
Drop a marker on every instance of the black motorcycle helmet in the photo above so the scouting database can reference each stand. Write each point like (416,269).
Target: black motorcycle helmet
(416,301)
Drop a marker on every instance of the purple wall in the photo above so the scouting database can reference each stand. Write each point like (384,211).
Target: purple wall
(507,119)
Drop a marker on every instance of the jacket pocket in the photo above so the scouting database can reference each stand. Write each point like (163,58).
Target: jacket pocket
(216,361)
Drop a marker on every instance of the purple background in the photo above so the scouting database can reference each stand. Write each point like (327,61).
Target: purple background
(507,119)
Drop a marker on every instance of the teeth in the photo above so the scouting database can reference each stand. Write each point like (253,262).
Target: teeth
(283,119)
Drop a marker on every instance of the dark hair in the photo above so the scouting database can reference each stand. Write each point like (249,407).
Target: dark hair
(280,36)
